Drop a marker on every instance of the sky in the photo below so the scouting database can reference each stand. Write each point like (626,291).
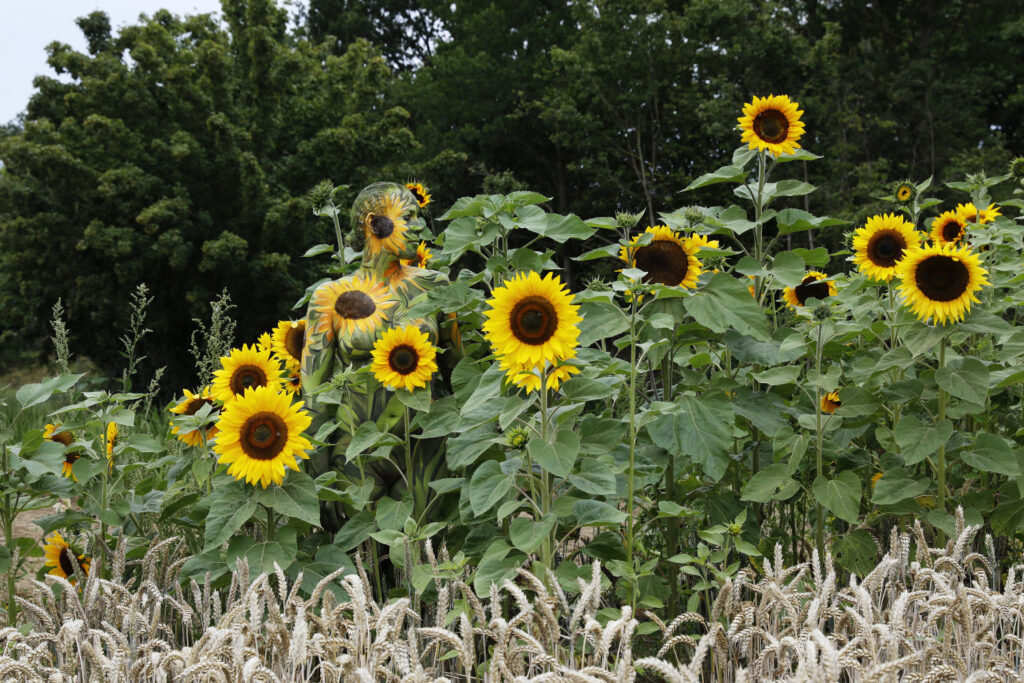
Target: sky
(29,26)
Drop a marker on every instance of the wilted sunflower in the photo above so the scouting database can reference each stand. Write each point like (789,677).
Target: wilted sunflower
(968,213)
(532,320)
(419,192)
(904,191)
(111,438)
(668,259)
(288,341)
(815,285)
(190,406)
(384,223)
(939,281)
(355,304)
(260,435)
(947,228)
(244,368)
(423,255)
(772,123)
(881,243)
(67,438)
(404,358)
(59,556)
(529,378)
(830,402)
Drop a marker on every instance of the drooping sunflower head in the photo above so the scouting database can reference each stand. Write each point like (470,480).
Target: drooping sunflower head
(404,358)
(947,228)
(423,254)
(830,402)
(904,192)
(420,192)
(386,216)
(532,320)
(881,243)
(968,213)
(66,438)
(668,259)
(191,405)
(288,340)
(815,285)
(260,435)
(245,368)
(61,558)
(111,439)
(940,281)
(354,305)
(772,123)
(530,378)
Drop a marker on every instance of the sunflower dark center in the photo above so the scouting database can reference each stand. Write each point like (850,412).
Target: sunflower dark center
(63,437)
(294,339)
(771,125)
(885,248)
(195,404)
(942,278)
(263,436)
(665,262)
(951,231)
(381,226)
(903,193)
(71,457)
(811,288)
(533,320)
(416,193)
(64,559)
(403,359)
(354,304)
(247,376)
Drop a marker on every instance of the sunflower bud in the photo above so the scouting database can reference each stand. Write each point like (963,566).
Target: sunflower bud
(1017,168)
(320,196)
(904,191)
(596,284)
(628,220)
(516,438)
(693,215)
(735,529)
(823,312)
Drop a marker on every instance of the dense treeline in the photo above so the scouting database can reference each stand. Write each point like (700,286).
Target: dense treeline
(181,150)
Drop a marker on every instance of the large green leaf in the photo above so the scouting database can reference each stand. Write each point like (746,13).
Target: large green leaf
(231,506)
(966,379)
(597,513)
(295,497)
(701,429)
(917,440)
(771,483)
(796,220)
(992,453)
(841,496)
(895,486)
(725,174)
(725,303)
(595,477)
(557,458)
(527,534)
(488,486)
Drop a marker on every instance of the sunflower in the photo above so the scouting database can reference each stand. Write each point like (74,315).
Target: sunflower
(260,435)
(265,342)
(968,213)
(288,340)
(404,358)
(532,320)
(423,255)
(58,556)
(701,242)
(67,438)
(875,477)
(293,382)
(190,406)
(940,281)
(772,123)
(947,228)
(419,192)
(529,378)
(243,368)
(830,401)
(881,243)
(383,223)
(668,259)
(815,285)
(111,438)
(904,191)
(354,304)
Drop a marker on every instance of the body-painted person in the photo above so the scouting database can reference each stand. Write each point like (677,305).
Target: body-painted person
(344,319)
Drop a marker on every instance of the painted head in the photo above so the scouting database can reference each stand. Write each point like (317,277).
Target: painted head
(385,216)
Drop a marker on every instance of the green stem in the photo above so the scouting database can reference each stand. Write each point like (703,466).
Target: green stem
(672,532)
(547,550)
(630,530)
(8,512)
(271,524)
(941,460)
(820,514)
(410,474)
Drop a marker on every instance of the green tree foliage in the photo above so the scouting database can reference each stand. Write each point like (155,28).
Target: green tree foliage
(178,154)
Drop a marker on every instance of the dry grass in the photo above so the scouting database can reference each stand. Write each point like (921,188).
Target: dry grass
(921,615)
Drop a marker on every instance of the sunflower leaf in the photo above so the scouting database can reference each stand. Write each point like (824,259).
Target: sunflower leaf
(295,497)
(488,486)
(702,429)
(725,303)
(597,513)
(840,495)
(895,486)
(966,378)
(992,453)
(796,155)
(917,441)
(231,506)
(725,174)
(771,483)
(797,220)
(527,534)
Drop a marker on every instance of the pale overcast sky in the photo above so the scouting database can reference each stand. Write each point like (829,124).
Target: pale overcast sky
(28,27)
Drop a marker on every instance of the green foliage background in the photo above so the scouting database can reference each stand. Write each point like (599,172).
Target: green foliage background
(181,150)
